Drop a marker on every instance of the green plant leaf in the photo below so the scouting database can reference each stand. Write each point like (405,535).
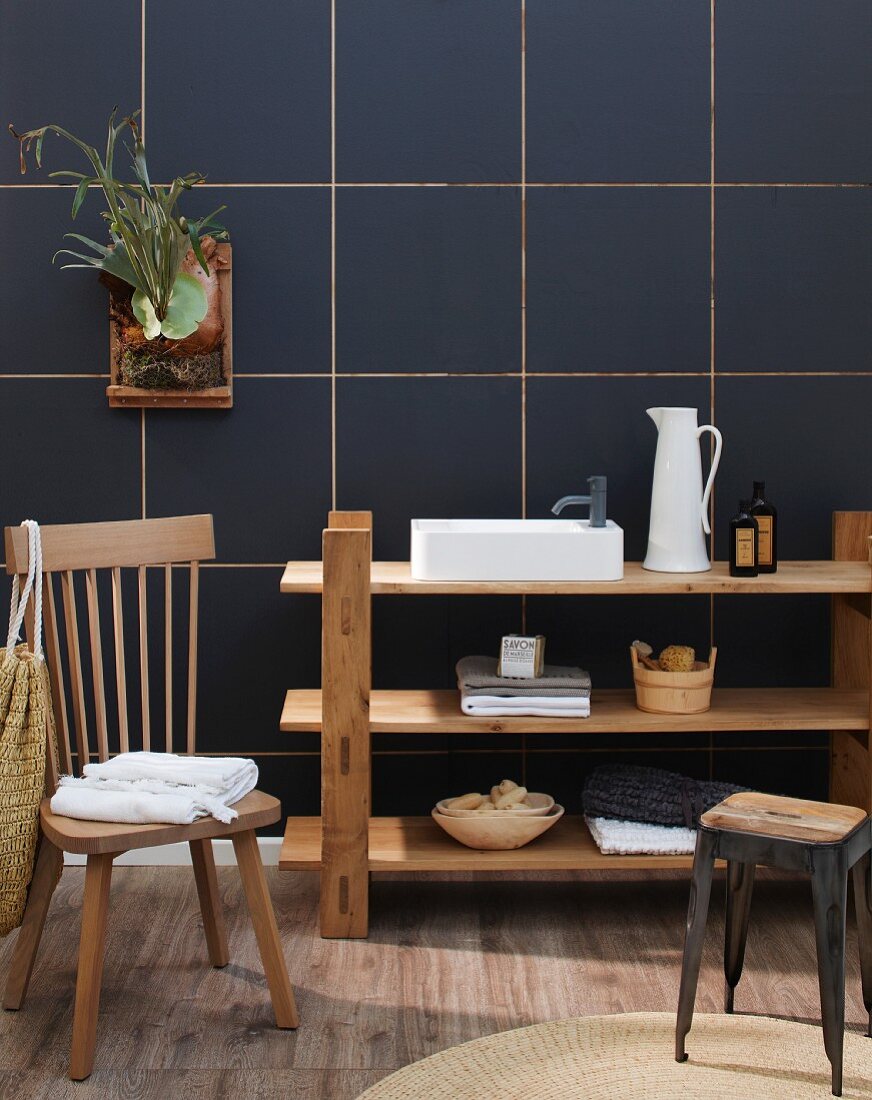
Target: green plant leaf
(186,309)
(81,192)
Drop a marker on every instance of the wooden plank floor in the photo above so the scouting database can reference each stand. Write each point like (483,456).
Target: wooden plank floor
(445,962)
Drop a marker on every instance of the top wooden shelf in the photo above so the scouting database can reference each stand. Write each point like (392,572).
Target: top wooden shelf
(394,578)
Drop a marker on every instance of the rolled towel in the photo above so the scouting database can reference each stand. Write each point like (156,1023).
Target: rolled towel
(629,792)
(478,676)
(495,706)
(625,838)
(126,807)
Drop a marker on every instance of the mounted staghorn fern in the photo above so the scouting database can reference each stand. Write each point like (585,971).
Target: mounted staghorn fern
(150,240)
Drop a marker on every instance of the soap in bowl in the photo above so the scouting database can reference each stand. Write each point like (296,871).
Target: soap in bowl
(497,832)
(539,805)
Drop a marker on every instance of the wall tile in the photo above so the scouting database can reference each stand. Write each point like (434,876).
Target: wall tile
(798,774)
(51,321)
(596,632)
(793,91)
(793,279)
(254,644)
(418,447)
(805,438)
(428,280)
(618,90)
(618,279)
(582,426)
(262,468)
(71,459)
(243,97)
(55,67)
(773,641)
(428,91)
(281,278)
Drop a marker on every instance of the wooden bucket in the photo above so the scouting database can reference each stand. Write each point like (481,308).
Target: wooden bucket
(674,692)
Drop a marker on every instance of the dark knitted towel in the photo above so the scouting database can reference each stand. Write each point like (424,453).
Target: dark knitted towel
(631,793)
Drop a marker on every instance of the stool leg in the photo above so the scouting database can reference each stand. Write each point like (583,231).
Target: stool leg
(829,884)
(863,905)
(740,884)
(697,912)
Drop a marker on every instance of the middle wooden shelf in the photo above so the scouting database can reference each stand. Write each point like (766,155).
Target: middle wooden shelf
(612,711)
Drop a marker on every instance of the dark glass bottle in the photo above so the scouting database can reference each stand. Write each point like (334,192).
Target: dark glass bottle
(767,525)
(744,538)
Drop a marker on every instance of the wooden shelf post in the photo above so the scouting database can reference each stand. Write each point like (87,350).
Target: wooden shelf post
(346,674)
(850,767)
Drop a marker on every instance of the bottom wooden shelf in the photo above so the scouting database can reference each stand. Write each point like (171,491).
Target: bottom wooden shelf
(134,397)
(418,844)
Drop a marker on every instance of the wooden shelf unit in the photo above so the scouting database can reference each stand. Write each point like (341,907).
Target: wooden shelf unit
(417,844)
(345,844)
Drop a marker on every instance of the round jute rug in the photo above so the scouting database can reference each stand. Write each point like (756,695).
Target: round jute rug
(630,1057)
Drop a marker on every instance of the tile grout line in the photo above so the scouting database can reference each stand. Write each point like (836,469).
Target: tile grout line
(523,14)
(333,253)
(711,739)
(566,184)
(142,486)
(523,259)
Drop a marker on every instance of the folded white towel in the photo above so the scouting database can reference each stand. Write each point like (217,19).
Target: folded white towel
(495,706)
(624,838)
(126,807)
(146,787)
(218,775)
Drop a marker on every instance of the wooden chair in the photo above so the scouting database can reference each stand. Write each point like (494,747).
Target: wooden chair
(821,838)
(92,548)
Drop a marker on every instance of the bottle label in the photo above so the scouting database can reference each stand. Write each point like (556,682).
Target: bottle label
(745,547)
(764,547)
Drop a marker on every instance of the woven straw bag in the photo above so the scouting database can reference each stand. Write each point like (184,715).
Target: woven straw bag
(25,716)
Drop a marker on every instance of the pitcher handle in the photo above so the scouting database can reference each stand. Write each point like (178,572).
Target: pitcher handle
(719,443)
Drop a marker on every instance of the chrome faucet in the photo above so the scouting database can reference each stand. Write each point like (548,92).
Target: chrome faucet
(596,500)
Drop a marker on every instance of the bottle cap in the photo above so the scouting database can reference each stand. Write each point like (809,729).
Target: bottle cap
(759,488)
(744,505)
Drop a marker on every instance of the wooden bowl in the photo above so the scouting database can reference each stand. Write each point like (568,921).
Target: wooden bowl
(674,692)
(540,805)
(496,832)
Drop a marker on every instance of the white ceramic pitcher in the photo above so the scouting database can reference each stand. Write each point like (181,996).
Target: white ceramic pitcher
(679,507)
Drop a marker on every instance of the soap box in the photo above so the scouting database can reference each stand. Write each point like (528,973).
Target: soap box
(522,658)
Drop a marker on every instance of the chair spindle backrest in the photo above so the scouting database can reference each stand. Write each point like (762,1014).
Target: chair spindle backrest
(92,549)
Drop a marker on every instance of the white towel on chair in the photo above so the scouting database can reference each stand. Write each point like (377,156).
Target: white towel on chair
(126,807)
(182,788)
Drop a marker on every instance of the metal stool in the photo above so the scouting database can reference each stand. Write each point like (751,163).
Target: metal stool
(793,834)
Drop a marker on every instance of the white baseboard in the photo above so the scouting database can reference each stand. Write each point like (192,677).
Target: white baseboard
(179,855)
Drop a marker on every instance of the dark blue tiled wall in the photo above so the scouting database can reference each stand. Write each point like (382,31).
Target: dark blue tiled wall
(473,241)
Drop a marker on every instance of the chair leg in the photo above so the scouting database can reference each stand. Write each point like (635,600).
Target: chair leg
(863,906)
(265,928)
(829,884)
(46,874)
(697,913)
(740,884)
(203,859)
(98,875)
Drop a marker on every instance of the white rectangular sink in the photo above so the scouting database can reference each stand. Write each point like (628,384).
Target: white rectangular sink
(516,550)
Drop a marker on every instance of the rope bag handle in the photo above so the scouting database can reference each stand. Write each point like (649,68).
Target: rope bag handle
(18,604)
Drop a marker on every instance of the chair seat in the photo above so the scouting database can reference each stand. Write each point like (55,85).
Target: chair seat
(783,818)
(255,810)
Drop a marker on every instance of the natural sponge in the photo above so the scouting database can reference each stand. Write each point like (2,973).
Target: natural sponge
(677,658)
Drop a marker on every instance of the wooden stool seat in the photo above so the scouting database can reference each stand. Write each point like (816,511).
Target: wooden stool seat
(256,810)
(825,840)
(784,818)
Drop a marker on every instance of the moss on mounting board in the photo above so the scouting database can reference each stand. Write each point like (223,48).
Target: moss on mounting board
(166,372)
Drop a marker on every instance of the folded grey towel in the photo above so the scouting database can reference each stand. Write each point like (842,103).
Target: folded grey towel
(478,676)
